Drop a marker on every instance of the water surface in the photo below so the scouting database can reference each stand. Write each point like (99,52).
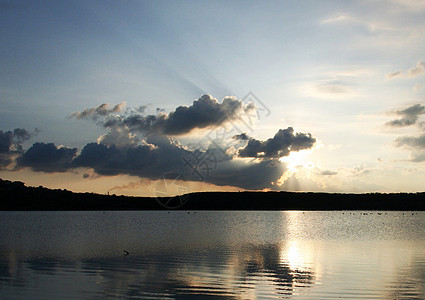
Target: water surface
(228,255)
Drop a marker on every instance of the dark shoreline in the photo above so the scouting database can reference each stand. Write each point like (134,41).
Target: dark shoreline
(16,196)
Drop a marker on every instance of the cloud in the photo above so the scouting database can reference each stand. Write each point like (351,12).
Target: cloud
(411,141)
(335,88)
(203,113)
(153,155)
(361,170)
(336,84)
(417,87)
(418,70)
(163,156)
(416,144)
(413,72)
(97,112)
(363,25)
(409,115)
(336,19)
(118,136)
(47,158)
(252,176)
(132,185)
(280,145)
(148,160)
(395,74)
(241,137)
(328,173)
(417,157)
(6,141)
(155,158)
(160,156)
(11,145)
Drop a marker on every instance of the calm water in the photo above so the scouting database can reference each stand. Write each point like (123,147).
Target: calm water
(225,255)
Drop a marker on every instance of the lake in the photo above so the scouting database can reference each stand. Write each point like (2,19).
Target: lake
(212,255)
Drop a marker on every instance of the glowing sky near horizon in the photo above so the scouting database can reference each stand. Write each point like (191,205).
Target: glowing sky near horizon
(350,73)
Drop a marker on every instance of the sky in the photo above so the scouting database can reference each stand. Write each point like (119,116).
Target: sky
(164,97)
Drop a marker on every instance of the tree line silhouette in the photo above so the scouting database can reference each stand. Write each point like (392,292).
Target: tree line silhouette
(14,195)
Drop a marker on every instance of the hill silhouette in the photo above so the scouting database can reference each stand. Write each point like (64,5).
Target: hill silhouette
(16,196)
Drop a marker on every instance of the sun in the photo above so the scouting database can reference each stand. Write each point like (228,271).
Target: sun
(296,160)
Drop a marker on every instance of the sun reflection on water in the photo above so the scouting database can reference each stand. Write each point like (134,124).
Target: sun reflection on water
(229,255)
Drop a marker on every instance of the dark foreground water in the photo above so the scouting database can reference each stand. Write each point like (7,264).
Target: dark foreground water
(224,255)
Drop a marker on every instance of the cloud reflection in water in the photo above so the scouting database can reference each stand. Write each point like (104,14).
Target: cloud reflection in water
(225,255)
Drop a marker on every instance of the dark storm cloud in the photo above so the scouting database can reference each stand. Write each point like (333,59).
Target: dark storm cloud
(97,112)
(241,137)
(253,176)
(280,145)
(47,158)
(6,140)
(160,155)
(152,155)
(152,159)
(163,156)
(22,134)
(12,140)
(409,116)
(11,144)
(6,154)
(204,112)
(149,160)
